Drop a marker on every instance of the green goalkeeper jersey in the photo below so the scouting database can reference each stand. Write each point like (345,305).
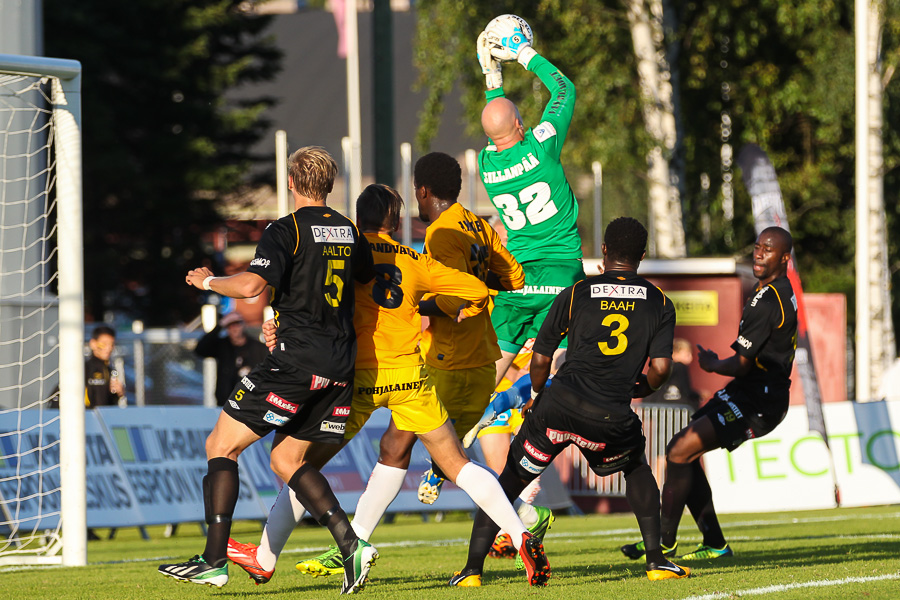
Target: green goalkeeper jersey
(527,183)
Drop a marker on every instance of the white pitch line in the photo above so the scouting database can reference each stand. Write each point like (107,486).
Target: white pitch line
(774,589)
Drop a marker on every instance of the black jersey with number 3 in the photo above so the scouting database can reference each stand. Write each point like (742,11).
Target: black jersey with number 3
(311,259)
(613,323)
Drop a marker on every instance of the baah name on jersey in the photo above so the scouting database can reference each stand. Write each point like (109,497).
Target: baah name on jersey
(559,437)
(332,235)
(528,163)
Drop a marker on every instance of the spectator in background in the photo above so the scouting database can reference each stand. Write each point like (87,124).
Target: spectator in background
(103,387)
(678,388)
(234,351)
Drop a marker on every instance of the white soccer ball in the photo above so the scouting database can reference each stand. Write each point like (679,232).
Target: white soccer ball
(506,34)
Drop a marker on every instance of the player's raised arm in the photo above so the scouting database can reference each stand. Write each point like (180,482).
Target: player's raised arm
(509,38)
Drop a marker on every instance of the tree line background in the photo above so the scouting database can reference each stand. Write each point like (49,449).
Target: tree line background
(163,146)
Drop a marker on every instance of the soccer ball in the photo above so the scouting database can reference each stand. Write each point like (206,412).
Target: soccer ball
(506,34)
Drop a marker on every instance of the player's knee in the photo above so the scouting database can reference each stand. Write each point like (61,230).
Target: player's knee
(282,467)
(396,453)
(676,448)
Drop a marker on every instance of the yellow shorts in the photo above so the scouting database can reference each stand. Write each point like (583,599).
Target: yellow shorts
(407,392)
(507,422)
(464,393)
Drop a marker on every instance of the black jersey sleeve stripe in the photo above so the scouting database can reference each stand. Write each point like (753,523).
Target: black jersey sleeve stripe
(780,305)
(572,299)
(297,229)
(663,294)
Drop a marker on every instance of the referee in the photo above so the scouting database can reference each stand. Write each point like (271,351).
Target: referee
(614,322)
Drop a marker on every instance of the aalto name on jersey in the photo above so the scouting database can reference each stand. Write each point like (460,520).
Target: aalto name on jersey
(528,163)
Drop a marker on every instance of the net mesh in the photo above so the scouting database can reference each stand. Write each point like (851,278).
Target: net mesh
(29,322)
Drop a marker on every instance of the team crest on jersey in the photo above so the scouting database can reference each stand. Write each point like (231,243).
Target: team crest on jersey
(610,290)
(281,403)
(332,235)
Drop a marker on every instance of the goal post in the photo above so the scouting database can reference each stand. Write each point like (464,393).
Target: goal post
(41,313)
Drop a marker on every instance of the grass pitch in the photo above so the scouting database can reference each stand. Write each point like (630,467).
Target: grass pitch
(836,554)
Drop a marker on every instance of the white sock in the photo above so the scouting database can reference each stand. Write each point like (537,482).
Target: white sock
(531,490)
(383,486)
(526,512)
(283,518)
(482,486)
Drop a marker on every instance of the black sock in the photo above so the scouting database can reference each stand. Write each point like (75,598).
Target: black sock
(699,502)
(315,495)
(220,494)
(643,497)
(484,530)
(679,478)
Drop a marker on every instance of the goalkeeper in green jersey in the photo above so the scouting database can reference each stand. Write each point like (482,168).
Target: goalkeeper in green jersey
(524,179)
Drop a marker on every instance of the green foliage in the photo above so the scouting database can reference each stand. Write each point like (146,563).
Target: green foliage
(162,146)
(783,72)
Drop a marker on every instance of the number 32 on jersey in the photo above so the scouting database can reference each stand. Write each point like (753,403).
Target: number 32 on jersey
(534,200)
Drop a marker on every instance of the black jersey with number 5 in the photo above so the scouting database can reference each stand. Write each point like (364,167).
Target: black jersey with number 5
(614,322)
(311,259)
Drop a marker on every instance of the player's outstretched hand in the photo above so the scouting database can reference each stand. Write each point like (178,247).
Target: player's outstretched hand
(490,67)
(195,277)
(707,359)
(508,38)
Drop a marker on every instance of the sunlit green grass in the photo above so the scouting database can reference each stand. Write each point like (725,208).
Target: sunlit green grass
(803,555)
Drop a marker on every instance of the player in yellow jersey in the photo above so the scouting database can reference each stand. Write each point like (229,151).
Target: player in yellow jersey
(459,356)
(390,373)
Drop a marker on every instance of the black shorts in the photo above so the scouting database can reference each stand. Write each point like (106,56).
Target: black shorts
(735,420)
(301,405)
(610,442)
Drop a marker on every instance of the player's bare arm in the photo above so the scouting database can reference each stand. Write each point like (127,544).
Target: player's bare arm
(657,374)
(242,285)
(733,366)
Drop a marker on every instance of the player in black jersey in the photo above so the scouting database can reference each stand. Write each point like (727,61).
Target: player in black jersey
(613,322)
(749,406)
(302,390)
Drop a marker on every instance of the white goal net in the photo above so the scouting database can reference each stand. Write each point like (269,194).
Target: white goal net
(42,443)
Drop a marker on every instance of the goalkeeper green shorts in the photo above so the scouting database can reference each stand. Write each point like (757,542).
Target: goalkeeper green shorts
(518,315)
